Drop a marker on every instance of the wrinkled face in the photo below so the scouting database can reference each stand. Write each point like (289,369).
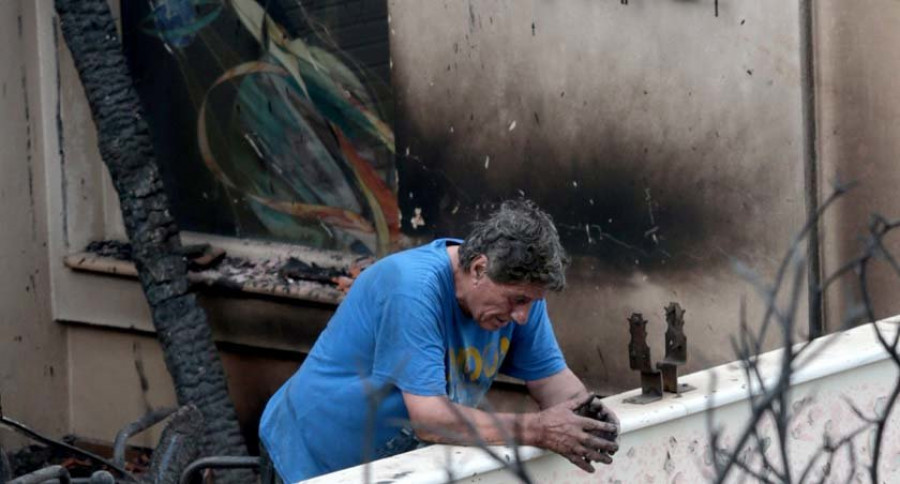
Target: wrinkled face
(495,305)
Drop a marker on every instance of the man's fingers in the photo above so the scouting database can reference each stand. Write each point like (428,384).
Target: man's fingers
(580,462)
(610,415)
(604,458)
(602,411)
(590,425)
(592,455)
(597,443)
(596,407)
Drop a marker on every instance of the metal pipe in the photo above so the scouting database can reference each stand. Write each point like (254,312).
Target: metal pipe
(42,475)
(811,169)
(150,419)
(218,462)
(101,477)
(83,480)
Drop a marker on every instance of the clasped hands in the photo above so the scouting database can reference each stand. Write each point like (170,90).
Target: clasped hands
(582,430)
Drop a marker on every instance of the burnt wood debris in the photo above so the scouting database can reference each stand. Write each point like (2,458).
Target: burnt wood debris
(126,148)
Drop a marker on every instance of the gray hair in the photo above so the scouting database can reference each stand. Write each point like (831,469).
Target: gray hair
(521,244)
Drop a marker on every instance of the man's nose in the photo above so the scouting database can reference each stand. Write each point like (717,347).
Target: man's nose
(520,314)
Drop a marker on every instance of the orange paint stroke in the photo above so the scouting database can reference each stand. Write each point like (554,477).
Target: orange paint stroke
(387,200)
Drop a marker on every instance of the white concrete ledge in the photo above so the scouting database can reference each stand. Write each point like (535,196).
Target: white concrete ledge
(727,384)
(829,356)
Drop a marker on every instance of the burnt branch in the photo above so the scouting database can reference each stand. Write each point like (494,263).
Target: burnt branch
(126,147)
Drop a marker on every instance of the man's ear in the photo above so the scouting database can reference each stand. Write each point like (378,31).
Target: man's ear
(479,266)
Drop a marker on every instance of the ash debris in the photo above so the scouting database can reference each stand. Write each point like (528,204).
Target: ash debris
(113,249)
(34,457)
(212,266)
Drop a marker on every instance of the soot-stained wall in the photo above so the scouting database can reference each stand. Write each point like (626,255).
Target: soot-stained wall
(664,140)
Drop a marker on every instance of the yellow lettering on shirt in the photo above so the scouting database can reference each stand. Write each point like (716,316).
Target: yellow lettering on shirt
(474,371)
(472,364)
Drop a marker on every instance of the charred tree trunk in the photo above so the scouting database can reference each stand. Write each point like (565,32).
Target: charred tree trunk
(127,150)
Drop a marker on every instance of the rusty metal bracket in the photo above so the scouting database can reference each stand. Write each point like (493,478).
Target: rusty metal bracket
(670,378)
(676,350)
(664,376)
(639,359)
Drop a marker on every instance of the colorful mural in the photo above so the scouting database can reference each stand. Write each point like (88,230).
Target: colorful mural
(272,120)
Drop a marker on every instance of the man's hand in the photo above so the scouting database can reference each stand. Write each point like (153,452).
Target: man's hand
(576,437)
(592,407)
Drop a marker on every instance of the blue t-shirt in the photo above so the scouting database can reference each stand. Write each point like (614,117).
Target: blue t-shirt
(400,329)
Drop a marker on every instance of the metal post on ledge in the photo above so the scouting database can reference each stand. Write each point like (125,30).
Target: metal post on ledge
(639,359)
(676,350)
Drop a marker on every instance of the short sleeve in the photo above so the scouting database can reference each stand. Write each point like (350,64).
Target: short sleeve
(533,350)
(409,346)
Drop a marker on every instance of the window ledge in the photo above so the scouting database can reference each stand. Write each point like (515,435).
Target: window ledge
(266,283)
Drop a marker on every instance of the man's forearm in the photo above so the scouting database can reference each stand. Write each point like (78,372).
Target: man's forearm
(442,421)
(556,389)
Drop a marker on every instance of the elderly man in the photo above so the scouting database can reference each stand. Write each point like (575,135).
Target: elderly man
(417,342)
